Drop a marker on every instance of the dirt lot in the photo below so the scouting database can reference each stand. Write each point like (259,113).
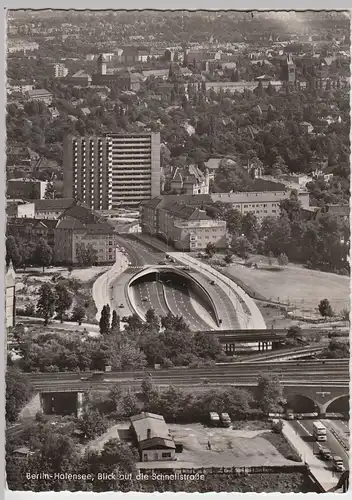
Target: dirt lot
(228,447)
(301,287)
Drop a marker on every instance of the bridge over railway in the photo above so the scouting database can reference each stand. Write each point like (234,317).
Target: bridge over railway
(320,382)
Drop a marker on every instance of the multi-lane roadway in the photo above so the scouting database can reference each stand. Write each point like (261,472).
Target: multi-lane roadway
(304,429)
(178,301)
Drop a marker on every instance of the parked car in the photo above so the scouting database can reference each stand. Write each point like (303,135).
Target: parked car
(214,418)
(225,419)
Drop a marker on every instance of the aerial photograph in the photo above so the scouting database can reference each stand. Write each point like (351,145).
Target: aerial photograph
(177,251)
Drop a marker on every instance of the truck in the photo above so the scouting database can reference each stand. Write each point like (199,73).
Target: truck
(319,431)
(225,419)
(338,463)
(214,418)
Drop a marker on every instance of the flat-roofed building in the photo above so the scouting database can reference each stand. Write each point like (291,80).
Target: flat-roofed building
(113,170)
(262,204)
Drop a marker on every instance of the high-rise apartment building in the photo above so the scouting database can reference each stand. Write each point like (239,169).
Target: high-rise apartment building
(113,170)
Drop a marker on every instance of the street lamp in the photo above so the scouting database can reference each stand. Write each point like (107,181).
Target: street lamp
(183,245)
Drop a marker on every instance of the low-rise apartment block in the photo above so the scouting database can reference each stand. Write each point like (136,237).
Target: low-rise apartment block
(262,204)
(26,188)
(185,226)
(72,234)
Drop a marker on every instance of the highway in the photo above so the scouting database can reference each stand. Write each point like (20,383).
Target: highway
(150,294)
(177,302)
(304,429)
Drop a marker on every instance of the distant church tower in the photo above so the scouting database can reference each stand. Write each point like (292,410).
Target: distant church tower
(291,69)
(101,62)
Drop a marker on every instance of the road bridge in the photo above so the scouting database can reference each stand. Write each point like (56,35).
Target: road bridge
(321,382)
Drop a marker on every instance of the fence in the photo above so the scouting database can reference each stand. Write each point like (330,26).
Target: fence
(238,471)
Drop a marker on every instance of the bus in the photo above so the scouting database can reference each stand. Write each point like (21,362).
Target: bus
(319,431)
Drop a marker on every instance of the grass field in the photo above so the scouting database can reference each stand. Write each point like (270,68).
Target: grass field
(303,288)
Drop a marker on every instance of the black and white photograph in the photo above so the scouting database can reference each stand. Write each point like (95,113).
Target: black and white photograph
(177,251)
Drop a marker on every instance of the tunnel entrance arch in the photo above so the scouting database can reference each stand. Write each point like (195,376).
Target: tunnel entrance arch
(301,404)
(341,404)
(181,279)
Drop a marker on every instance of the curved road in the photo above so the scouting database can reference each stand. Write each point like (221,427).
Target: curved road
(176,301)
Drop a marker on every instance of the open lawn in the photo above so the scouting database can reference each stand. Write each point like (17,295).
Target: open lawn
(301,287)
(229,447)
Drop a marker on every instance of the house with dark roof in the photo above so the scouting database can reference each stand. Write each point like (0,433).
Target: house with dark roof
(189,180)
(152,438)
(52,209)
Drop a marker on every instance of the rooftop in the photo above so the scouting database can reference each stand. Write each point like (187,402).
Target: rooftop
(55,205)
(149,428)
(36,92)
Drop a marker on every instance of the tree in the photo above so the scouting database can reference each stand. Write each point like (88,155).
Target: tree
(43,253)
(92,424)
(270,258)
(49,191)
(270,394)
(152,318)
(115,323)
(291,206)
(210,249)
(104,323)
(63,300)
(78,314)
(174,323)
(228,258)
(250,226)
(46,302)
(325,308)
(87,255)
(241,246)
(12,252)
(18,392)
(282,259)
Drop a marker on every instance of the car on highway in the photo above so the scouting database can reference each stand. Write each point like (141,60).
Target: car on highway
(324,453)
(121,306)
(186,268)
(212,282)
(162,263)
(84,378)
(338,463)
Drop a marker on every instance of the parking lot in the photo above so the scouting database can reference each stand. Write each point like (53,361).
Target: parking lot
(228,447)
